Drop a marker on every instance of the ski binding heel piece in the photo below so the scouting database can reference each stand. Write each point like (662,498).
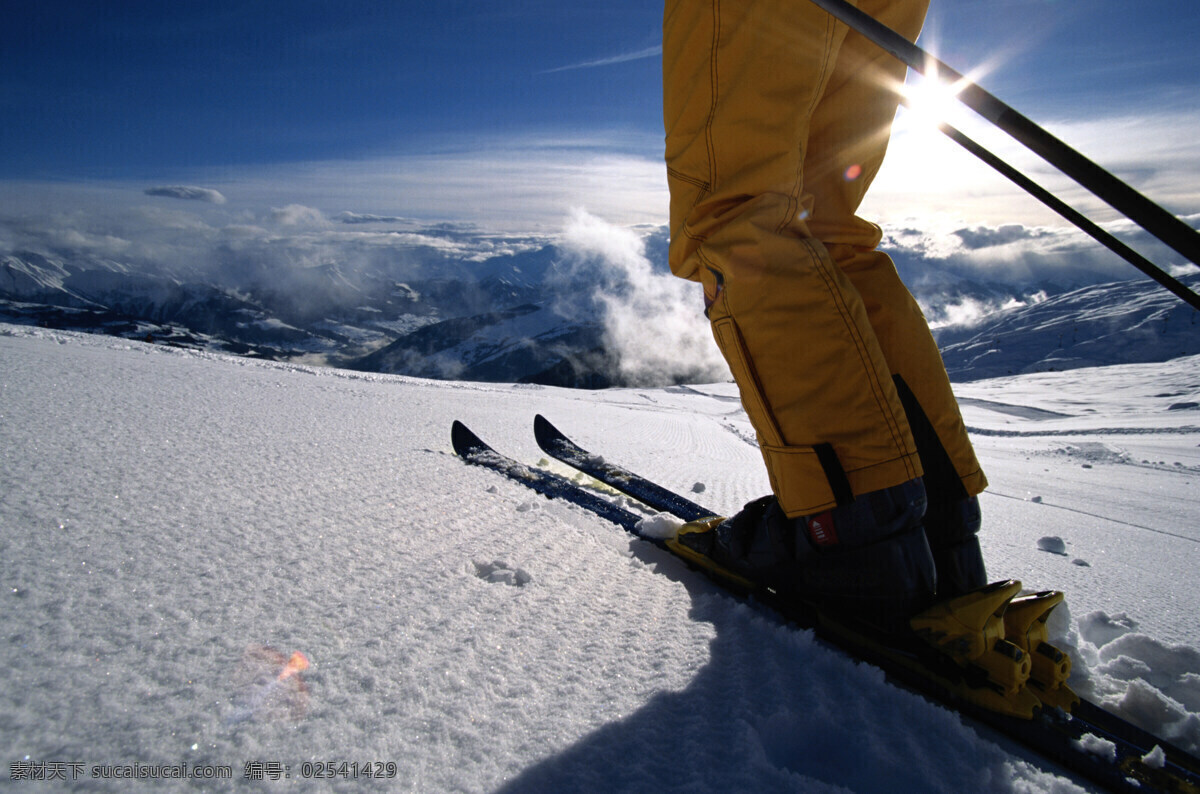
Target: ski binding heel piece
(1025,626)
(970,630)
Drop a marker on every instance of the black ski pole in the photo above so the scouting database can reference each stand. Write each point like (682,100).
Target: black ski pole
(1087,226)
(1151,217)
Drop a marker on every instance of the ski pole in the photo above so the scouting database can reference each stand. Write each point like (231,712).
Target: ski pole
(1151,217)
(1094,231)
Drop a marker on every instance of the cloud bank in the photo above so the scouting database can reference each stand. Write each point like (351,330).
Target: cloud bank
(956,239)
(187,192)
(281,230)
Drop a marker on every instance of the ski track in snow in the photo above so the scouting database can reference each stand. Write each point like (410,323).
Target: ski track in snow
(167,514)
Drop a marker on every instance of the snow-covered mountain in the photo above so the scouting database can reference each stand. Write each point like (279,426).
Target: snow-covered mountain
(524,344)
(177,525)
(1118,323)
(584,310)
(340,314)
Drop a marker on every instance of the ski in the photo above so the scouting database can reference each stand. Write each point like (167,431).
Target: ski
(1135,766)
(558,446)
(472,449)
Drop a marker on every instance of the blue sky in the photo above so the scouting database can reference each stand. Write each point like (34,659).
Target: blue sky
(511,114)
(120,88)
(115,88)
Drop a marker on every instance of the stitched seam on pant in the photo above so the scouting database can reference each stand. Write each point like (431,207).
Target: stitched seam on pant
(691,180)
(860,345)
(793,204)
(703,189)
(734,348)
(713,77)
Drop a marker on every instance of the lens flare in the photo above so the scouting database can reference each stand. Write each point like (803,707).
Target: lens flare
(853,172)
(298,663)
(269,686)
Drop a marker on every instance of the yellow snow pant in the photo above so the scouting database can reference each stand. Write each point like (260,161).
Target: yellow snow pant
(777,120)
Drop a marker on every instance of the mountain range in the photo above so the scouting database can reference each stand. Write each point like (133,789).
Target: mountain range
(530,313)
(1125,322)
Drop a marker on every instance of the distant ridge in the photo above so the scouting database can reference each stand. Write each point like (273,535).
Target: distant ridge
(1124,322)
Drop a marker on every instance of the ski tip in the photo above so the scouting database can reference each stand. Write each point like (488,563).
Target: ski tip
(543,431)
(464,441)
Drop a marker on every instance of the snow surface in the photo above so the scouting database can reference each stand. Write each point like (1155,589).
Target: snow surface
(175,525)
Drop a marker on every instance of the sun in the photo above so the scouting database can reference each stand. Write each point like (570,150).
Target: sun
(930,100)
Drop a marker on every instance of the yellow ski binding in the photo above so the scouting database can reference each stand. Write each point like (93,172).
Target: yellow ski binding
(970,630)
(1025,626)
(700,560)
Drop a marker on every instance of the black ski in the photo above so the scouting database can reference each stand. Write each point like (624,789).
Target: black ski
(556,445)
(472,449)
(1052,734)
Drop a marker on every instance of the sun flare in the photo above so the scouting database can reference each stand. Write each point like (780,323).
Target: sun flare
(931,100)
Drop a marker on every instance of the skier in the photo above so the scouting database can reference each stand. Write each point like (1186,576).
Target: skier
(777,120)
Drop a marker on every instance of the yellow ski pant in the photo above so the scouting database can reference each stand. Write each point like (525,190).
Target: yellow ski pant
(777,120)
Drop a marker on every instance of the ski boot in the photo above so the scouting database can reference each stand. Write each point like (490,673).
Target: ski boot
(952,528)
(866,561)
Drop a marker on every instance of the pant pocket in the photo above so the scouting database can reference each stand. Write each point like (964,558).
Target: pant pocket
(797,475)
(733,347)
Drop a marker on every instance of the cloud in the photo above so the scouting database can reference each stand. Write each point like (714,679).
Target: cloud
(654,322)
(958,276)
(298,215)
(518,184)
(356,217)
(1156,151)
(637,55)
(187,192)
(276,242)
(929,181)
(969,311)
(984,237)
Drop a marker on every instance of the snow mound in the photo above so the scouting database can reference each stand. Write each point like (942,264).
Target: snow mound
(1150,683)
(1100,628)
(1052,544)
(500,572)
(660,526)
(1097,746)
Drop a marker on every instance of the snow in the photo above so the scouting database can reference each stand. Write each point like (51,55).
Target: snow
(1097,746)
(1052,544)
(661,525)
(175,526)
